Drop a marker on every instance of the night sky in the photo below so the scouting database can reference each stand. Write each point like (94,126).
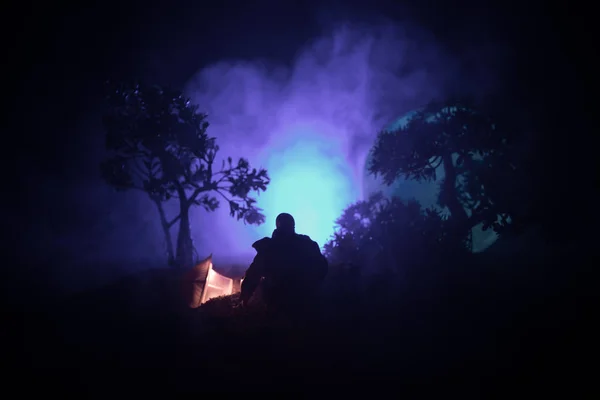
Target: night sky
(60,56)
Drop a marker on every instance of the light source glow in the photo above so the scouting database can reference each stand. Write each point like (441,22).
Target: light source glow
(310,180)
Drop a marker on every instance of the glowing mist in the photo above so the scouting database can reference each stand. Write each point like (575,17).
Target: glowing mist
(311,126)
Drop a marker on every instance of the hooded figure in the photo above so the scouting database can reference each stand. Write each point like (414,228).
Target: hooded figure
(289,266)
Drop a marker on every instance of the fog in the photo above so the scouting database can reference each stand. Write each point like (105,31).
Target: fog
(310,122)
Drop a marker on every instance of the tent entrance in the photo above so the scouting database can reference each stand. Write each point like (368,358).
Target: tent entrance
(205,283)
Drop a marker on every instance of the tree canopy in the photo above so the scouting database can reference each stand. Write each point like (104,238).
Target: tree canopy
(473,151)
(382,233)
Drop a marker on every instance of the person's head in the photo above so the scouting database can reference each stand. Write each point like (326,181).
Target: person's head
(285,223)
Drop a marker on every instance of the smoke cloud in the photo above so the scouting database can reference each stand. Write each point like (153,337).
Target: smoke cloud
(312,124)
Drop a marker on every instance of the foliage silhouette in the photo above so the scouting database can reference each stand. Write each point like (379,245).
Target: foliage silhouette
(381,233)
(158,143)
(475,152)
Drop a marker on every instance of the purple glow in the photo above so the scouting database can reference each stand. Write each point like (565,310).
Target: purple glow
(310,125)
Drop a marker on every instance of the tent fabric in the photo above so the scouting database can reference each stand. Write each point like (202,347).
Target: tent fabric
(203,283)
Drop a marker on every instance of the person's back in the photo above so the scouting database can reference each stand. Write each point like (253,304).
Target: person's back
(290,266)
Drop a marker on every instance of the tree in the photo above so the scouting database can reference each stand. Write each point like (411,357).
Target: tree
(380,233)
(157,143)
(472,150)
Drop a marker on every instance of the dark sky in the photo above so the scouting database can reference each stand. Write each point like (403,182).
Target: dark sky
(59,54)
(63,52)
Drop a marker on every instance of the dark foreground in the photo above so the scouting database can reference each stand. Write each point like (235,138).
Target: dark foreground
(526,325)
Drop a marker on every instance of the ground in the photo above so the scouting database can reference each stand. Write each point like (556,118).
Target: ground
(492,325)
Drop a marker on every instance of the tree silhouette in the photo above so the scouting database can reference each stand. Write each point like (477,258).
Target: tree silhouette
(158,144)
(473,151)
(382,233)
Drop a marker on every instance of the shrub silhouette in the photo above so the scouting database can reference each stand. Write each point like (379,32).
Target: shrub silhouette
(381,235)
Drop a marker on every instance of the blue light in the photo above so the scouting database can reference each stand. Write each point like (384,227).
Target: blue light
(311,180)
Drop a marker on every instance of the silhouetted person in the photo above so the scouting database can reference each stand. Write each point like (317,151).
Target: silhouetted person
(290,268)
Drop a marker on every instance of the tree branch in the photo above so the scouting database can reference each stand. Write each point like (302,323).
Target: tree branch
(199,189)
(177,218)
(218,190)
(137,168)
(225,176)
(439,162)
(224,172)
(221,188)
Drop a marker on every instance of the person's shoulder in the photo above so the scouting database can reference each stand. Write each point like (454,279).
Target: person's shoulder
(261,244)
(306,239)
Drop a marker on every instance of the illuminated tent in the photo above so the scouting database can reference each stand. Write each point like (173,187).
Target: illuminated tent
(203,283)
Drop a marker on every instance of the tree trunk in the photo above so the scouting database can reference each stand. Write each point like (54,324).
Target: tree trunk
(456,209)
(460,221)
(185,248)
(167,231)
